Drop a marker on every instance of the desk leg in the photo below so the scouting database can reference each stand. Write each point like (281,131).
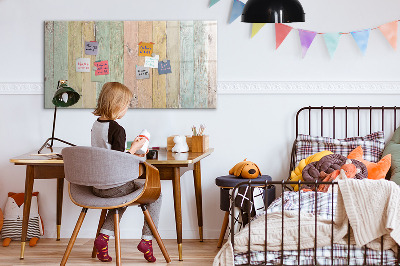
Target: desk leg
(27,206)
(60,190)
(176,182)
(197,189)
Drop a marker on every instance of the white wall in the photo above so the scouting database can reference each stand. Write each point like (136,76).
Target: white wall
(259,127)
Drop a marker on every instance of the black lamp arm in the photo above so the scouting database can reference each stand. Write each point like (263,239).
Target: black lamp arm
(52,136)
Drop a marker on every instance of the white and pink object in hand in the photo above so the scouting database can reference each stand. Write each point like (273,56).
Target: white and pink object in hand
(144,134)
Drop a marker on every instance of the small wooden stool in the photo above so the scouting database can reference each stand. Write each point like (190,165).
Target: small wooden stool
(228,182)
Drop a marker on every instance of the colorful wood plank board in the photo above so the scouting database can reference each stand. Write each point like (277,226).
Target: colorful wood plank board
(117,51)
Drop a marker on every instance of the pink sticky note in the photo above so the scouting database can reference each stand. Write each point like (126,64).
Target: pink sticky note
(101,68)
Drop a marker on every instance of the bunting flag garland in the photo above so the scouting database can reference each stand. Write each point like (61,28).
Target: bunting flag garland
(256,27)
(306,39)
(389,30)
(213,2)
(361,37)
(332,41)
(237,9)
(281,31)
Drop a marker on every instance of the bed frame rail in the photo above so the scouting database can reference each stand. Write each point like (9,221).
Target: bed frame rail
(265,185)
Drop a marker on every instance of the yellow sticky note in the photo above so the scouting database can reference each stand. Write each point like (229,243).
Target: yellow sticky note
(145,48)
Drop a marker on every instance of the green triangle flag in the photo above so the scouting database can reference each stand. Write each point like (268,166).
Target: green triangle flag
(332,41)
(256,28)
(213,2)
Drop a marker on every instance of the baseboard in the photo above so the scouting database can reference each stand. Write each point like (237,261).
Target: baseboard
(260,87)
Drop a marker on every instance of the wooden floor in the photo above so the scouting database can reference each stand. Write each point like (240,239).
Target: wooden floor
(50,252)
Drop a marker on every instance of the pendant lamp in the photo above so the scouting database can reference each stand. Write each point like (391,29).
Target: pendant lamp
(63,97)
(272,11)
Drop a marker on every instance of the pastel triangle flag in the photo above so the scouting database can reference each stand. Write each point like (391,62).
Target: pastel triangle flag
(281,31)
(237,9)
(361,37)
(256,28)
(389,30)
(213,2)
(332,41)
(306,39)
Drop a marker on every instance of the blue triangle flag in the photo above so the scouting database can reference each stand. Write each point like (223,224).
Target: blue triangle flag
(332,41)
(361,37)
(237,9)
(213,2)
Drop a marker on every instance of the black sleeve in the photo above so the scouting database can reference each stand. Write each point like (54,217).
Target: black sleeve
(116,136)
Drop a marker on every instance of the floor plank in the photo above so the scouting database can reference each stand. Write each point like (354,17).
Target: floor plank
(50,252)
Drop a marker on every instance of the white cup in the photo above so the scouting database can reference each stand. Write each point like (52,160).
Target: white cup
(144,134)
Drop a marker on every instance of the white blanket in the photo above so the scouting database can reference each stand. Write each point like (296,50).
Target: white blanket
(371,206)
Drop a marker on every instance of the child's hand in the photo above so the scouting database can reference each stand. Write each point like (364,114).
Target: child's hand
(143,155)
(137,144)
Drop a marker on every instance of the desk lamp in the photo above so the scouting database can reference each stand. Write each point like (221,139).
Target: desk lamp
(272,11)
(63,97)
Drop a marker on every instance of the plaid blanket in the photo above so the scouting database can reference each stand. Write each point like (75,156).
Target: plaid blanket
(323,205)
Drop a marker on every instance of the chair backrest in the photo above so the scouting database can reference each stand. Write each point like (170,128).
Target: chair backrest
(92,166)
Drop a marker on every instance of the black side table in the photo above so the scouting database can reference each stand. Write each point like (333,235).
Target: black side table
(228,182)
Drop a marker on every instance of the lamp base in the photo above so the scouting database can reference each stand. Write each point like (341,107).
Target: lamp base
(50,146)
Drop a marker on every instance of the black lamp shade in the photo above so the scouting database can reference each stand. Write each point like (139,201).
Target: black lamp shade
(273,11)
(65,96)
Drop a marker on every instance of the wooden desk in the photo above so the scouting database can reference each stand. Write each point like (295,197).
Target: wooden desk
(171,167)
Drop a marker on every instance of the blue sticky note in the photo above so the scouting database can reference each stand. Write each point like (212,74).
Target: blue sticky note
(164,67)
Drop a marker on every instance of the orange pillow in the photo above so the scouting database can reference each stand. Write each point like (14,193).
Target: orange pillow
(375,170)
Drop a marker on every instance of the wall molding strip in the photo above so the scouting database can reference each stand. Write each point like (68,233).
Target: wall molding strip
(260,87)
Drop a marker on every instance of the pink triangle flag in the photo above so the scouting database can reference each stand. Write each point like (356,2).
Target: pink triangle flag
(281,31)
(389,30)
(306,39)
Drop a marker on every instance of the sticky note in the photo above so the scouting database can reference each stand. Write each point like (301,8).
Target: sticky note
(151,61)
(91,48)
(142,72)
(83,65)
(101,68)
(145,48)
(164,67)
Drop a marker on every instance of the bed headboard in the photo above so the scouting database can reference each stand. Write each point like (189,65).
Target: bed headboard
(344,121)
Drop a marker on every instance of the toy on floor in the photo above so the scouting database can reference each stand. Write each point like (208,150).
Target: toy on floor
(245,169)
(13,215)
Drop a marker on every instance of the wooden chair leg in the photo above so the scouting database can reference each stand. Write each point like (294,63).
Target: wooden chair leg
(101,222)
(117,238)
(223,229)
(154,230)
(73,237)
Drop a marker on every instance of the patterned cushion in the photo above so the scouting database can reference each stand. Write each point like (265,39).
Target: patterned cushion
(372,144)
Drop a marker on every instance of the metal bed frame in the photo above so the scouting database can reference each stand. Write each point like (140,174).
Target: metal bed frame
(283,184)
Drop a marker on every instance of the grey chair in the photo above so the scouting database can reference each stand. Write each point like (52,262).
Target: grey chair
(85,167)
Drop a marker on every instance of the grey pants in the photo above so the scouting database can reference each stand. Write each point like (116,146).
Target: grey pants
(153,208)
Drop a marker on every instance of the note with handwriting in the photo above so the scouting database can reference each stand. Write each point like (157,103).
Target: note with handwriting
(164,67)
(91,48)
(83,65)
(145,48)
(142,72)
(151,62)
(101,68)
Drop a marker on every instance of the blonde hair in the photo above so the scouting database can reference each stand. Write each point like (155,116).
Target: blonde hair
(113,97)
